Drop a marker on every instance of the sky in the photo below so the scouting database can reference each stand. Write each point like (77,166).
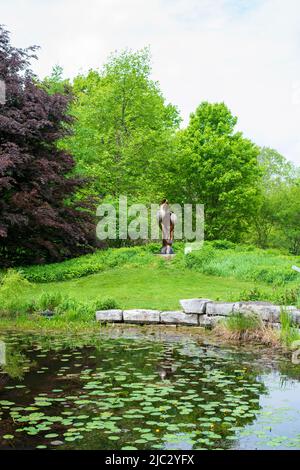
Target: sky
(245,53)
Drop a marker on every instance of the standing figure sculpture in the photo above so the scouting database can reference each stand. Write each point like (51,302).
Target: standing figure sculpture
(166,220)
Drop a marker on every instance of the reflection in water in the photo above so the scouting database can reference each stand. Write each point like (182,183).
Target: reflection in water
(144,391)
(167,367)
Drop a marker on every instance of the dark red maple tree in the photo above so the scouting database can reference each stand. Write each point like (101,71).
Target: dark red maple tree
(40,220)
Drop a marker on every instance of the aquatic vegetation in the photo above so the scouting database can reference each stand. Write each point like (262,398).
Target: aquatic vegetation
(110,393)
(17,364)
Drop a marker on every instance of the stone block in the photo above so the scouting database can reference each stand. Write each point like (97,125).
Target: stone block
(141,316)
(179,318)
(194,305)
(219,308)
(111,316)
(265,310)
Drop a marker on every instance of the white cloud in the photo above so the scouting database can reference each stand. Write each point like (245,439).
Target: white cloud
(242,52)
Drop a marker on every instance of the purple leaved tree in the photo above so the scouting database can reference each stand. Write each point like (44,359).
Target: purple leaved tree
(40,219)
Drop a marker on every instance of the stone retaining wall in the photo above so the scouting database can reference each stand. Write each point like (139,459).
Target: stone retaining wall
(198,312)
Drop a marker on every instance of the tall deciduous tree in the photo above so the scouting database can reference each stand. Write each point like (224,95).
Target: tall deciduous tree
(286,204)
(38,219)
(124,129)
(276,221)
(217,167)
(56,83)
(277,177)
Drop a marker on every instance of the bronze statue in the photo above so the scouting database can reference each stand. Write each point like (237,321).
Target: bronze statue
(167,220)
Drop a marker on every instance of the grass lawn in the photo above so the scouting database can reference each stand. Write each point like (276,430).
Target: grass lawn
(147,287)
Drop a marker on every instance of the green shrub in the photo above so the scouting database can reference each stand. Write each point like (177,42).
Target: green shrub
(49,301)
(253,294)
(198,260)
(87,265)
(66,305)
(13,283)
(287,297)
(153,248)
(12,289)
(80,311)
(223,244)
(245,248)
(255,265)
(72,308)
(105,304)
(273,275)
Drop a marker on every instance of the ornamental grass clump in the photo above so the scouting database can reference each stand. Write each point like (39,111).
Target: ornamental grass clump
(246,328)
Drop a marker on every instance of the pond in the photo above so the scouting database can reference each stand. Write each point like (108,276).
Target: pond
(133,389)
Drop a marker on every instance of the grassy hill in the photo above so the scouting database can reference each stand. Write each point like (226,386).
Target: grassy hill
(137,278)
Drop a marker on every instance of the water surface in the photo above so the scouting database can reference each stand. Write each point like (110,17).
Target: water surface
(125,389)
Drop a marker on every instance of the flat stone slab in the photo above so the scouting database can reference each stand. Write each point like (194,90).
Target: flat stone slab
(219,308)
(113,316)
(179,318)
(267,311)
(141,316)
(194,305)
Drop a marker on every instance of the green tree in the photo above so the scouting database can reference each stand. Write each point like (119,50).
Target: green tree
(216,166)
(287,215)
(56,83)
(124,129)
(278,175)
(275,168)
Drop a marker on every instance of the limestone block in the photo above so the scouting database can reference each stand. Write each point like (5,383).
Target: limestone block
(109,316)
(179,318)
(219,308)
(194,305)
(141,316)
(265,310)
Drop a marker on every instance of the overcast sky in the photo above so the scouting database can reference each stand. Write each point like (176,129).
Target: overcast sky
(243,52)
